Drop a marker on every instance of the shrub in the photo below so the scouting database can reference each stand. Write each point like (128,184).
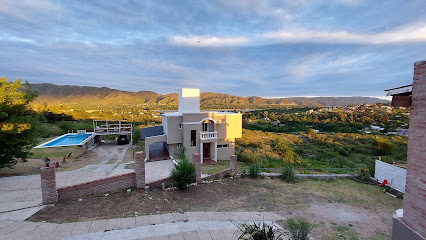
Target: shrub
(183,173)
(382,146)
(299,228)
(364,175)
(310,131)
(287,174)
(181,154)
(281,147)
(258,232)
(372,169)
(254,170)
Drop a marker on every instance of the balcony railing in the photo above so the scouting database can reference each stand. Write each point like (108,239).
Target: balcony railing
(208,135)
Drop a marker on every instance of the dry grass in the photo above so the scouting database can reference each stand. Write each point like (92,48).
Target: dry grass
(221,165)
(79,158)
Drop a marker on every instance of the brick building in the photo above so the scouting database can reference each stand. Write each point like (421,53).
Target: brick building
(412,224)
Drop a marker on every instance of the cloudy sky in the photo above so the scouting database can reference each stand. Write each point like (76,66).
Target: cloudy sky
(242,47)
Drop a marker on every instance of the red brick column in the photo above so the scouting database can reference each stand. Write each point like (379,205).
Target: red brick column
(48,185)
(140,169)
(233,164)
(196,159)
(414,203)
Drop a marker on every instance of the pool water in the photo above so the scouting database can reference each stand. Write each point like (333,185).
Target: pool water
(67,140)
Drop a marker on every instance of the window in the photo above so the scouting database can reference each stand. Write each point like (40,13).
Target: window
(193,138)
(223,146)
(180,126)
(205,126)
(178,146)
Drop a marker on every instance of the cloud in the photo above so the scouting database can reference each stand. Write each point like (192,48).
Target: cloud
(26,9)
(403,34)
(206,41)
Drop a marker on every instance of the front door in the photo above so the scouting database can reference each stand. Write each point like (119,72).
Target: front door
(206,150)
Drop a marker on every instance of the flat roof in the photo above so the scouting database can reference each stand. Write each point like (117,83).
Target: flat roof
(399,90)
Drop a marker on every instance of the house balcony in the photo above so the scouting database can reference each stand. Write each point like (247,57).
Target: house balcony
(208,136)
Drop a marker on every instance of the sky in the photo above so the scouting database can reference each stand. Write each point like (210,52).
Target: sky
(244,47)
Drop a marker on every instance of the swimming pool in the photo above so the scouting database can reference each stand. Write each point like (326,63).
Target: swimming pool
(70,139)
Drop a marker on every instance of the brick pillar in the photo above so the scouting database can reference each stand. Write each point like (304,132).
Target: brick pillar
(48,185)
(233,164)
(140,169)
(196,159)
(414,203)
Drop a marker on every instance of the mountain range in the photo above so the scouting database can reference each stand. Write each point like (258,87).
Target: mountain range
(69,94)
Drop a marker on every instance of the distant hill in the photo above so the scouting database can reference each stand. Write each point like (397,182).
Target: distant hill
(57,94)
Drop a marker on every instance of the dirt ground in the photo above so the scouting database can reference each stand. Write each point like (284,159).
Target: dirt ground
(340,209)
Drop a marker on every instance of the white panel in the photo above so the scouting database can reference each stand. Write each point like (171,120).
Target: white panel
(395,176)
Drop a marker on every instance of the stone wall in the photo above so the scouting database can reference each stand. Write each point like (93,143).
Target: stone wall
(414,204)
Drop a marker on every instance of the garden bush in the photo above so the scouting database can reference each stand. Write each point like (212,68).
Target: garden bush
(183,172)
(258,232)
(287,174)
(299,228)
(254,170)
(364,175)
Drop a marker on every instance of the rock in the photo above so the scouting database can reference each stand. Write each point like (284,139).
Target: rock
(80,200)
(106,194)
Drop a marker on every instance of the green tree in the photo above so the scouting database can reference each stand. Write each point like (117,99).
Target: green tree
(281,147)
(18,124)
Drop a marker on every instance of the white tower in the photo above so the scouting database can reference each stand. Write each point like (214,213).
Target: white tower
(189,100)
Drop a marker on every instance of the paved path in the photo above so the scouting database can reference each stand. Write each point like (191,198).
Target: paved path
(190,225)
(24,192)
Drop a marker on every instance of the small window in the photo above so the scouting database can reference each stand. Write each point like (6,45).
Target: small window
(219,146)
(178,146)
(193,138)
(180,126)
(225,145)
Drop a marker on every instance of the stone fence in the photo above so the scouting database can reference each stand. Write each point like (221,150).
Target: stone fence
(135,180)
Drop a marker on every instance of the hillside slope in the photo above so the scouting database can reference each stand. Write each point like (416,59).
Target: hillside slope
(61,94)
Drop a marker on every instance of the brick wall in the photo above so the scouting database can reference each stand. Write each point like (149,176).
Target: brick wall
(414,204)
(99,186)
(233,164)
(140,169)
(196,159)
(48,185)
(167,181)
(220,174)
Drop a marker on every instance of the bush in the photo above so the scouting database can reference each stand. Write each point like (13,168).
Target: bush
(181,154)
(382,146)
(372,169)
(299,228)
(254,170)
(258,232)
(310,131)
(364,175)
(183,173)
(287,174)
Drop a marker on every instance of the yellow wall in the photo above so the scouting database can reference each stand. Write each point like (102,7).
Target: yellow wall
(234,126)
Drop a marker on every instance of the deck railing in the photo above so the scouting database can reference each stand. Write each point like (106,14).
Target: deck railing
(114,128)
